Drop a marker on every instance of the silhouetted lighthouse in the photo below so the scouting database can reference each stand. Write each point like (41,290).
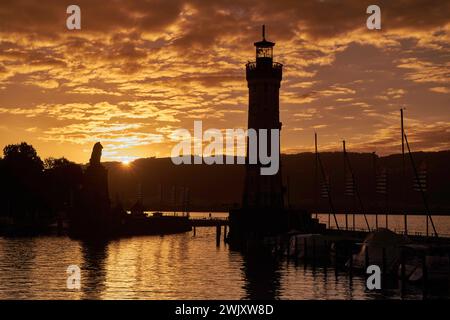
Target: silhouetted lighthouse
(262,213)
(263,78)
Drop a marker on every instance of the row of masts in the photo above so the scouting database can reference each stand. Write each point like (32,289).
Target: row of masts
(180,198)
(323,189)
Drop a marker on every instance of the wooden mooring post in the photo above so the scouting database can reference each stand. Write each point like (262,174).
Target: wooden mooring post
(313,252)
(336,258)
(305,250)
(218,233)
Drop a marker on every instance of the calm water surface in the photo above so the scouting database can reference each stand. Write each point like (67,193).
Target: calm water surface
(416,224)
(179,266)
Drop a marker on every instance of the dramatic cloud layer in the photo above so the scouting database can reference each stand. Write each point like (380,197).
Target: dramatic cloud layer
(137,70)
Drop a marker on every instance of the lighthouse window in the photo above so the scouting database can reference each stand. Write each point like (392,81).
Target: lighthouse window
(264,52)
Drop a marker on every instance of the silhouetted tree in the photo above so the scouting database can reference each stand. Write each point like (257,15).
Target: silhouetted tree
(23,157)
(50,163)
(62,179)
(22,173)
(3,188)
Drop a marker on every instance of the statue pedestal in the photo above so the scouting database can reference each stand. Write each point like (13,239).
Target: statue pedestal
(93,218)
(95,191)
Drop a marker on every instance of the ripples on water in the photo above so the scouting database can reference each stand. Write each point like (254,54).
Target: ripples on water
(169,267)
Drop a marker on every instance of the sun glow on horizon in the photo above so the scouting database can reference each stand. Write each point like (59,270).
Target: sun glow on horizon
(126,160)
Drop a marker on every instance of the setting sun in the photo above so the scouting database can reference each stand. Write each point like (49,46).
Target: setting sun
(126,160)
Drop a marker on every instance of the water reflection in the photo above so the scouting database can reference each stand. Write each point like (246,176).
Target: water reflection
(22,254)
(262,276)
(171,267)
(94,255)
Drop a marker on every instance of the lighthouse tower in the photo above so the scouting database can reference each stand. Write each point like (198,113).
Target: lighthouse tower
(262,213)
(263,78)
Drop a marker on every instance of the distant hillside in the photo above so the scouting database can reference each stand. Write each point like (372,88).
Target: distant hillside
(219,187)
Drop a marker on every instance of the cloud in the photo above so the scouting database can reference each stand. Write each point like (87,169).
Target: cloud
(426,71)
(440,89)
(140,69)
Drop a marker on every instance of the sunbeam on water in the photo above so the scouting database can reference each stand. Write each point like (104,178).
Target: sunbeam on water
(181,266)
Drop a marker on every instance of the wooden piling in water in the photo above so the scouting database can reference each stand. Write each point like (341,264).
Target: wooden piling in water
(224,233)
(313,251)
(194,231)
(336,255)
(218,232)
(305,249)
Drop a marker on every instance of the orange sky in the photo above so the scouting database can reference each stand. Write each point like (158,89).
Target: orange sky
(137,70)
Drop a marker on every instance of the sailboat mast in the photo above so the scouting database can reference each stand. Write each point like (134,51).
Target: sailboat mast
(316,176)
(405,217)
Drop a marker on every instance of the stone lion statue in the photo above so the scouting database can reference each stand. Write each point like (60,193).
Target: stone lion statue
(96,154)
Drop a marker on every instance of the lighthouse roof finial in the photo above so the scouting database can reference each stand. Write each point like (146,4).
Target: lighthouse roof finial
(264,43)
